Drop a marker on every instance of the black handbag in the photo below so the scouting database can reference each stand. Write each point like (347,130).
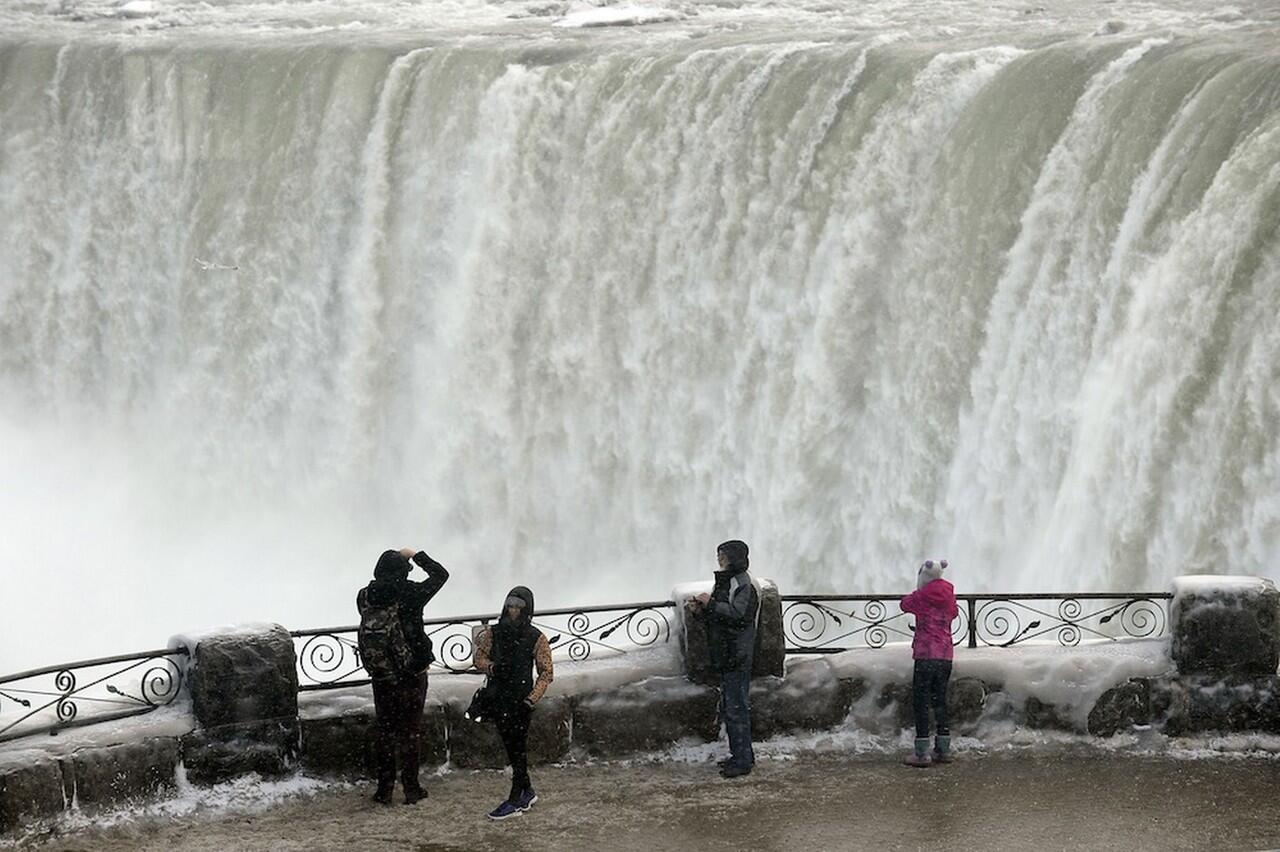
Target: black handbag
(482,704)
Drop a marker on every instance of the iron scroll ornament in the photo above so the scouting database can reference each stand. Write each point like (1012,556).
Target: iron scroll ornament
(1008,621)
(330,657)
(816,625)
(825,624)
(643,627)
(90,691)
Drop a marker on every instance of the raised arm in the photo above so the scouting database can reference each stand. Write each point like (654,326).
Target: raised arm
(437,576)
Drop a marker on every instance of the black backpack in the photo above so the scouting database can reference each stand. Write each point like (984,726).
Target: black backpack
(384,650)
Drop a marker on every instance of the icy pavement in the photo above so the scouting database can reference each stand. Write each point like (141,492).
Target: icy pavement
(1078,799)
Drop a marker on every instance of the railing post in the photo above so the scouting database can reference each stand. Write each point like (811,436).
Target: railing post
(973,623)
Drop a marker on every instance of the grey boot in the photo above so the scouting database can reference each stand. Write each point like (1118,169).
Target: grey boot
(942,749)
(919,758)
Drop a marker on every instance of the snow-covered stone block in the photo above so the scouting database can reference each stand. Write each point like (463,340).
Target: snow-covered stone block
(343,745)
(771,642)
(30,791)
(129,772)
(809,698)
(892,707)
(770,648)
(894,704)
(242,674)
(1222,625)
(966,699)
(1190,705)
(695,650)
(476,745)
(338,745)
(1120,708)
(219,754)
(644,716)
(1042,714)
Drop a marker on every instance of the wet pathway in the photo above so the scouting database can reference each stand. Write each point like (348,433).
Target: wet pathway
(807,803)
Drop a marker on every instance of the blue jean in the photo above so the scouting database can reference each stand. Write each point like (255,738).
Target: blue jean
(735,691)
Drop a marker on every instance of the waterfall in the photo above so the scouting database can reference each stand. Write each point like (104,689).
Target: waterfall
(569,312)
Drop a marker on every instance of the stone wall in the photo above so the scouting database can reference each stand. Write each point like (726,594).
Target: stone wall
(244,702)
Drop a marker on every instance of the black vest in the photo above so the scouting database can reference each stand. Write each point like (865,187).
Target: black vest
(512,658)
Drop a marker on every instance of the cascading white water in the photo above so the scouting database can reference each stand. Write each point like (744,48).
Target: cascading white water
(570,307)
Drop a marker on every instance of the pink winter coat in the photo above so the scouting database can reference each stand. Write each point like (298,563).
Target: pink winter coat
(934,607)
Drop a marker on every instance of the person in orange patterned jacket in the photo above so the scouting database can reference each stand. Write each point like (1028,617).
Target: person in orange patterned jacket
(508,653)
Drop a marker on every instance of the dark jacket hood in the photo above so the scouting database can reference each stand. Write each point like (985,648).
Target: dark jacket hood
(524,593)
(389,577)
(392,565)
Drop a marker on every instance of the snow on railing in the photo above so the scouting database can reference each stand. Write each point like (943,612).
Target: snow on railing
(828,624)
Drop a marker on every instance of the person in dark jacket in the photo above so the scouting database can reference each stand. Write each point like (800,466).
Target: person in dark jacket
(398,700)
(730,612)
(508,653)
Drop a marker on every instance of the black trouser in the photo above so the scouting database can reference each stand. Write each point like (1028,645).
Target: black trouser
(513,727)
(398,708)
(929,688)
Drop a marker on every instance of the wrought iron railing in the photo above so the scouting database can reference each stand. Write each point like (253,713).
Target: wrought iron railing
(828,624)
(50,699)
(329,657)
(90,691)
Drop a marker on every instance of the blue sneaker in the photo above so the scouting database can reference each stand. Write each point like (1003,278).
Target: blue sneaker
(527,800)
(504,810)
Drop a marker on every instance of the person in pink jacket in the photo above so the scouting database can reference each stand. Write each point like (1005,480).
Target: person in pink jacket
(933,603)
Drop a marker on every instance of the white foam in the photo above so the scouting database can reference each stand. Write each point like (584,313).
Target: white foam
(248,794)
(616,16)
(139,9)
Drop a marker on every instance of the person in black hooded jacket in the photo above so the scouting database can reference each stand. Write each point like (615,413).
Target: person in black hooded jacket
(398,701)
(508,653)
(730,612)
